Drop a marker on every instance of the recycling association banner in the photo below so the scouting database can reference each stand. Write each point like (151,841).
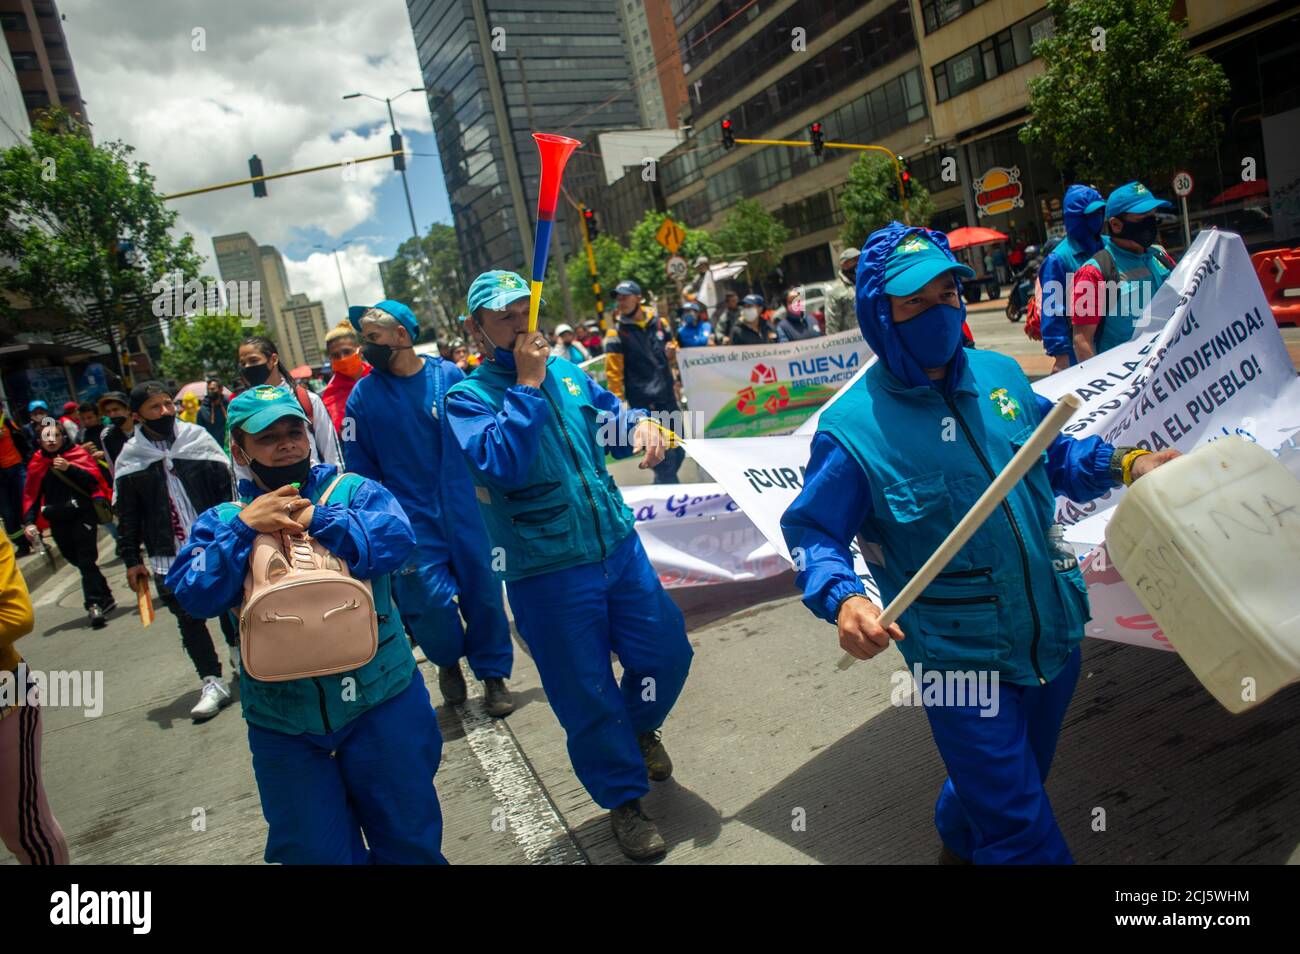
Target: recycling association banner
(1207,362)
(752,390)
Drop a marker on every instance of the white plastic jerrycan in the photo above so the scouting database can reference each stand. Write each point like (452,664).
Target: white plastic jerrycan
(1210,543)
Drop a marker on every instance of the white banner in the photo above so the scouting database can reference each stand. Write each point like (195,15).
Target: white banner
(1209,361)
(752,390)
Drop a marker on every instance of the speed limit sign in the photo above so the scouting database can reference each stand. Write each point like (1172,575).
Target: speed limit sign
(1182,184)
(677,268)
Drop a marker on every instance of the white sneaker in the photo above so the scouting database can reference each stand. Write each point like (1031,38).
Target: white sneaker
(234,662)
(214,697)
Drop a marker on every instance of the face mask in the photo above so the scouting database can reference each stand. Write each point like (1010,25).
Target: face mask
(349,367)
(932,337)
(164,427)
(379,355)
(795,308)
(1143,231)
(119,422)
(256,374)
(273,478)
(750,314)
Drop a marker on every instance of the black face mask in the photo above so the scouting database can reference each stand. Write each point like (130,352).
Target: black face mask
(1143,231)
(379,355)
(164,428)
(256,374)
(119,423)
(273,478)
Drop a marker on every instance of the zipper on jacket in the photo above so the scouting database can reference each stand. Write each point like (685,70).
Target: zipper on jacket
(573,450)
(320,693)
(957,600)
(960,574)
(1020,542)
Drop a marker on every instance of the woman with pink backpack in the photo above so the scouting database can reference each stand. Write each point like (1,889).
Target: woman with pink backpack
(344,739)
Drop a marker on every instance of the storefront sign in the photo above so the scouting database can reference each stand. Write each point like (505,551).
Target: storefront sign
(999,190)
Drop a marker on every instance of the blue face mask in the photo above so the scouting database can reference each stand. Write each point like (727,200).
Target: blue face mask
(1093,222)
(932,337)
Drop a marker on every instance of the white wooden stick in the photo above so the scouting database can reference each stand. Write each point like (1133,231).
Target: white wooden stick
(989,501)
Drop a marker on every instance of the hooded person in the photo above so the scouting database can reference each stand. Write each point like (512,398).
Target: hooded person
(338,756)
(694,331)
(1113,286)
(1082,209)
(347,366)
(535,430)
(896,461)
(64,488)
(395,432)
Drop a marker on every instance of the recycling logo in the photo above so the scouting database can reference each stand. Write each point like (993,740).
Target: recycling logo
(747,400)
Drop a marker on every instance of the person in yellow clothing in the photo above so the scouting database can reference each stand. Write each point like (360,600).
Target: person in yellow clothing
(27,826)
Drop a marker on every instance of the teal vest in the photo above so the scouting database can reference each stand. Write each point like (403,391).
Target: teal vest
(1139,276)
(999,604)
(327,703)
(568,511)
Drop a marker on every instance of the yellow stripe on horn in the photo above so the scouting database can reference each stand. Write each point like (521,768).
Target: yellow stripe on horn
(534,302)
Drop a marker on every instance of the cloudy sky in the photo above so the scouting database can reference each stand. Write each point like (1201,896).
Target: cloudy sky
(198,86)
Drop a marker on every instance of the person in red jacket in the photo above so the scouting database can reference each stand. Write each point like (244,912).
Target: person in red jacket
(63,485)
(344,351)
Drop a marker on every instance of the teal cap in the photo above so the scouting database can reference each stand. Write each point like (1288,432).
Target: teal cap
(495,290)
(256,409)
(1132,197)
(916,261)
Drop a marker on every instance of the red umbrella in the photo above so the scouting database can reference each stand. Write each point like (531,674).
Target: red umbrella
(1242,190)
(969,235)
(301,372)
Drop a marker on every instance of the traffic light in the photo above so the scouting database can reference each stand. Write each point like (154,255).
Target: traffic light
(815,134)
(906,176)
(589,216)
(255,170)
(728,135)
(395,145)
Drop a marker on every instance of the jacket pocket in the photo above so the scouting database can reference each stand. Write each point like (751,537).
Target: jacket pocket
(923,496)
(1073,590)
(547,533)
(959,625)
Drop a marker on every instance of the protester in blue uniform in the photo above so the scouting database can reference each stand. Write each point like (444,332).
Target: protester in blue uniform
(535,430)
(693,332)
(394,431)
(1082,209)
(340,756)
(897,461)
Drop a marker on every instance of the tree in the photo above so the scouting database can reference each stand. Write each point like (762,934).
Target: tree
(750,230)
(609,266)
(405,284)
(86,235)
(869,200)
(205,344)
(645,258)
(1120,98)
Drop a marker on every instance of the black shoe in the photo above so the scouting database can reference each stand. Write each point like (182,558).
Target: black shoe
(657,763)
(109,607)
(496,697)
(636,834)
(97,620)
(451,681)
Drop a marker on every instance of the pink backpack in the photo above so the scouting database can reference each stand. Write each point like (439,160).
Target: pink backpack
(304,614)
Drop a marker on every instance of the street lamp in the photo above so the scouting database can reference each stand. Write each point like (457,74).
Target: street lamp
(415,230)
(335,252)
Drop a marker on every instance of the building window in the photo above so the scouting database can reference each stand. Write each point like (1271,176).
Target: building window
(1001,53)
(937,13)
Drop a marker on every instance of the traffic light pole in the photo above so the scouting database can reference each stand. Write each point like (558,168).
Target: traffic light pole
(591,265)
(898,166)
(277,175)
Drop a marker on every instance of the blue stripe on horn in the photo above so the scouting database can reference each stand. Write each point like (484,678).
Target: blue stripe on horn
(541,247)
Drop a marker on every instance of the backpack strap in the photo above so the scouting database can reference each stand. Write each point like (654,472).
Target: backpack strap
(325,497)
(1106,264)
(304,402)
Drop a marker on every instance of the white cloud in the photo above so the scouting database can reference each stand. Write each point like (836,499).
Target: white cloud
(270,82)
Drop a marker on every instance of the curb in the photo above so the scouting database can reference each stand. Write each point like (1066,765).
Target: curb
(36,569)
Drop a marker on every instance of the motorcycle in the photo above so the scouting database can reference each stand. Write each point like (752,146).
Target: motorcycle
(1022,285)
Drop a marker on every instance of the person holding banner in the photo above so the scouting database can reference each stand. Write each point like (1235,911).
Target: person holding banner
(896,462)
(395,432)
(535,429)
(694,331)
(1112,287)
(1082,211)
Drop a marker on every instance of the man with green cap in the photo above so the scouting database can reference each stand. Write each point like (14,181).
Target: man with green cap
(535,429)
(394,431)
(342,756)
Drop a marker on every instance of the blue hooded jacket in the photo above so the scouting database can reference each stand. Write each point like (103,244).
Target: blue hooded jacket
(1081,242)
(891,465)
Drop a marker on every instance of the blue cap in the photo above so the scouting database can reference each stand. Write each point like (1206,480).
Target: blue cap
(915,262)
(627,287)
(1133,197)
(495,290)
(390,307)
(752,300)
(35,404)
(256,409)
